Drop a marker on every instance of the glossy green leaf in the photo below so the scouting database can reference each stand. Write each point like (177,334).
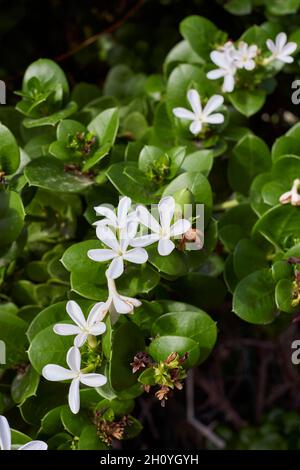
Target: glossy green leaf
(254,298)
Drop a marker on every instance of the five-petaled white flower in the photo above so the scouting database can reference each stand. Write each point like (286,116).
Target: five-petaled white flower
(292,196)
(281,49)
(243,56)
(83,328)
(5,439)
(117,252)
(164,231)
(200,116)
(56,373)
(224,59)
(119,220)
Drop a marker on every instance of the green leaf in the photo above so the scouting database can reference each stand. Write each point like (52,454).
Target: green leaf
(239,7)
(24,385)
(284,145)
(87,276)
(162,346)
(49,395)
(49,173)
(197,184)
(73,423)
(89,440)
(12,216)
(49,348)
(283,7)
(254,299)
(284,296)
(200,33)
(247,102)
(282,270)
(51,422)
(195,325)
(280,226)
(53,119)
(126,341)
(9,151)
(248,257)
(130,181)
(12,332)
(105,126)
(251,156)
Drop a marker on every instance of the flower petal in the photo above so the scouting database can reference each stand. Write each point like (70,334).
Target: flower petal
(123,208)
(145,240)
(215,74)
(116,268)
(136,255)
(98,329)
(101,255)
(106,212)
(74,359)
(219,58)
(107,236)
(195,102)
(216,118)
(280,40)
(80,340)
(180,227)
(183,113)
(55,373)
(121,305)
(270,45)
(228,84)
(286,59)
(147,219)
(65,329)
(34,445)
(165,247)
(196,127)
(93,380)
(74,397)
(75,312)
(5,434)
(166,209)
(134,302)
(213,103)
(97,313)
(289,48)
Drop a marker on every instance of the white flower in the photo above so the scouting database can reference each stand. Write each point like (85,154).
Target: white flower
(5,439)
(291,196)
(244,55)
(164,231)
(117,252)
(54,372)
(118,221)
(226,68)
(281,49)
(92,326)
(200,116)
(117,303)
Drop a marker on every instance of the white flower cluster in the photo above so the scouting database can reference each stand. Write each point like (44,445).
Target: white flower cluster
(5,439)
(229,58)
(117,232)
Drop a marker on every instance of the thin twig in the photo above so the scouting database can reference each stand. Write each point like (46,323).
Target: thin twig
(112,28)
(204,430)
